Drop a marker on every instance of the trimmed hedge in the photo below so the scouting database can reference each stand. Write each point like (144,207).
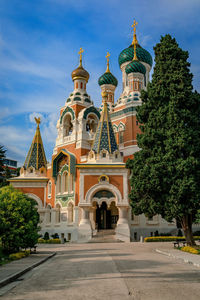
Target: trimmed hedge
(51,241)
(166,238)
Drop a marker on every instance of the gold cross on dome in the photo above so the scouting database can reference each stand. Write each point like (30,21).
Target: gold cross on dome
(107,56)
(80,53)
(134,26)
(37,120)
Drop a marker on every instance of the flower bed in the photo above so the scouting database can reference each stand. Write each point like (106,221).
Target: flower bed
(50,241)
(19,255)
(166,238)
(190,249)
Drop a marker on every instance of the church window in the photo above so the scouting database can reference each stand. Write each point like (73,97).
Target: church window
(58,185)
(135,86)
(121,137)
(91,124)
(49,189)
(110,97)
(81,85)
(65,177)
(140,86)
(104,154)
(85,86)
(68,127)
(76,85)
(116,155)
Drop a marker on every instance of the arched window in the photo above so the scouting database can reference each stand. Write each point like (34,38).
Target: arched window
(85,86)
(58,184)
(49,189)
(91,124)
(70,213)
(58,214)
(68,127)
(111,97)
(81,85)
(65,180)
(121,137)
(76,85)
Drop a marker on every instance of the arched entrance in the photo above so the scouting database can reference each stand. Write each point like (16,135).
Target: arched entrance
(106,216)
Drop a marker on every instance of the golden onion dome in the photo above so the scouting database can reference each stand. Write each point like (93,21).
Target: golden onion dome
(80,72)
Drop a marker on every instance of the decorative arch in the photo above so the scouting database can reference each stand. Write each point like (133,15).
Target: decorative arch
(115,128)
(36,198)
(103,186)
(72,162)
(89,110)
(121,126)
(67,110)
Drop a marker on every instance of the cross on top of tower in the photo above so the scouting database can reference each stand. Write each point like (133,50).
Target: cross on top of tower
(80,53)
(134,26)
(37,120)
(107,56)
(134,32)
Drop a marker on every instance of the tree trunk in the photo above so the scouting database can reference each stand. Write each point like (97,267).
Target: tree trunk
(186,223)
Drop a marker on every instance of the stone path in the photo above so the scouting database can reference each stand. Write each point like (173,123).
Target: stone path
(109,271)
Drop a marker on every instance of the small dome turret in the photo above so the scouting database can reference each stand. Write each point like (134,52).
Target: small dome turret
(80,72)
(108,77)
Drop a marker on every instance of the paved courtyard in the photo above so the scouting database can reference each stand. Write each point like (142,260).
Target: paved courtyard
(108,271)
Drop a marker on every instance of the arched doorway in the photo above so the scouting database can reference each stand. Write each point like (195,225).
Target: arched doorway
(106,216)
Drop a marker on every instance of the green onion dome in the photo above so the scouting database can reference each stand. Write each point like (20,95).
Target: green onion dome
(128,54)
(107,78)
(135,67)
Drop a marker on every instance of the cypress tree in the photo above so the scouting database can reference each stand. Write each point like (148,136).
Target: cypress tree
(165,173)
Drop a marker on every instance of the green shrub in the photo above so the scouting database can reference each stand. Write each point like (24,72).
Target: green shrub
(19,255)
(166,238)
(46,236)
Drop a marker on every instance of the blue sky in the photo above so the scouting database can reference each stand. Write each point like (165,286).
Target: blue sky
(39,42)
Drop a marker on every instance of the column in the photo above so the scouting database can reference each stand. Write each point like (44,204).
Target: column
(84,229)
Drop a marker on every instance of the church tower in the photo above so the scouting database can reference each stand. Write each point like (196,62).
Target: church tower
(135,63)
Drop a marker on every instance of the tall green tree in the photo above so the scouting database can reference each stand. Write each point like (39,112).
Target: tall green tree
(18,220)
(166,171)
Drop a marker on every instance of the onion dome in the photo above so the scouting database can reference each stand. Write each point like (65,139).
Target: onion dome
(107,77)
(80,72)
(36,156)
(129,53)
(135,67)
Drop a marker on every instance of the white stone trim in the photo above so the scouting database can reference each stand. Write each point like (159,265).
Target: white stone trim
(36,198)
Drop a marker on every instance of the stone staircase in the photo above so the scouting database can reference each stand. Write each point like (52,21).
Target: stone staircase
(104,236)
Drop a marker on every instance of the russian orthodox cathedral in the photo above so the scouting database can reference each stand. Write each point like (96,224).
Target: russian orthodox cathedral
(85,187)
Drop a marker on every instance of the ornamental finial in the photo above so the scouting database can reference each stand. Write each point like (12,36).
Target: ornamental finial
(38,121)
(135,41)
(107,56)
(80,53)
